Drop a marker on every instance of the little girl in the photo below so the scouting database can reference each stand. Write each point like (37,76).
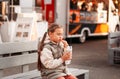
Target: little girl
(52,55)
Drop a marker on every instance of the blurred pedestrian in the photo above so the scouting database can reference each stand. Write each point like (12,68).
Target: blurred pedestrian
(84,6)
(73,4)
(2,11)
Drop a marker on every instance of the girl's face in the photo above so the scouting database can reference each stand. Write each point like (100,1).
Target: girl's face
(57,35)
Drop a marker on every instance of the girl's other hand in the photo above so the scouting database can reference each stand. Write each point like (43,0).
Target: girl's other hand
(66,56)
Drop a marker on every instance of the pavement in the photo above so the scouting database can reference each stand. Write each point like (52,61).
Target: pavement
(93,55)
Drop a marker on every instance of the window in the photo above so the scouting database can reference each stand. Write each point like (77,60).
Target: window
(15,2)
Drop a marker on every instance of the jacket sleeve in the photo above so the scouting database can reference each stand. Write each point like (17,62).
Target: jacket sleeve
(48,61)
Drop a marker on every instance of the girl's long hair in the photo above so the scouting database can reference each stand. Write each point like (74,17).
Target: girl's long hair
(40,47)
(51,29)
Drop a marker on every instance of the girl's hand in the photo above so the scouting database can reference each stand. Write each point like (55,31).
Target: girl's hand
(66,56)
(65,43)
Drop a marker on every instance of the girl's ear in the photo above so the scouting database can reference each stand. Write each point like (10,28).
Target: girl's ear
(49,33)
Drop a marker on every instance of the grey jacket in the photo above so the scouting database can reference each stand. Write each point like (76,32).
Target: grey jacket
(52,64)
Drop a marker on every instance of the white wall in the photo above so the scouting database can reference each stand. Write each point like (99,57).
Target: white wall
(27,3)
(61,11)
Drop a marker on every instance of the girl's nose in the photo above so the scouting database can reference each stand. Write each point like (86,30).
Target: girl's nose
(61,38)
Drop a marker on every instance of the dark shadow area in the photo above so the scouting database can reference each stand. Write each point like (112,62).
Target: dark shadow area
(92,38)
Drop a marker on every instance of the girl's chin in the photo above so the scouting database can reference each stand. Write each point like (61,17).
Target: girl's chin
(58,41)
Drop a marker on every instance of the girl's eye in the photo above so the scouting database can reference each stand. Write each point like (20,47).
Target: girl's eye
(59,34)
